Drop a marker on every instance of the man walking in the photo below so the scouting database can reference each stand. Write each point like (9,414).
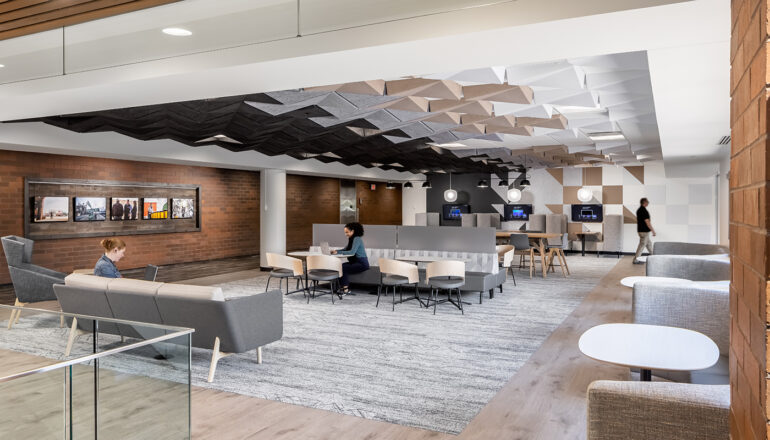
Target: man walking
(643,227)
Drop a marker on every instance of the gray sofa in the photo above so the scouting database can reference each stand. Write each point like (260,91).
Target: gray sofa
(681,248)
(382,241)
(31,283)
(689,267)
(235,325)
(700,306)
(657,410)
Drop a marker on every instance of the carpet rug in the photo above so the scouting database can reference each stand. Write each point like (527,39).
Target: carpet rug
(407,367)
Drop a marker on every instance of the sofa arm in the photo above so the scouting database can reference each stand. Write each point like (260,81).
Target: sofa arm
(657,410)
(255,320)
(33,286)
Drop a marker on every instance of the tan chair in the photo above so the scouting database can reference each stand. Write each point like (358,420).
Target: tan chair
(445,275)
(556,249)
(285,268)
(505,255)
(522,247)
(324,268)
(394,273)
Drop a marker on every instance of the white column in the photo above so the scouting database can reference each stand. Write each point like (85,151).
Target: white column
(272,200)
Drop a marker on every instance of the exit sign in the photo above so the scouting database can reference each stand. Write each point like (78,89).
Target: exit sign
(373,186)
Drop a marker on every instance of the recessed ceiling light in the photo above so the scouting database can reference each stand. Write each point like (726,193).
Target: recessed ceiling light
(177,32)
(2,65)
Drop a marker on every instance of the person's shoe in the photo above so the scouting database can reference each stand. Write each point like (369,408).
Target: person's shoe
(638,262)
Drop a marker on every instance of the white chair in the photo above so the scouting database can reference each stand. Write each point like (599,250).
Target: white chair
(445,275)
(285,268)
(324,268)
(505,254)
(398,273)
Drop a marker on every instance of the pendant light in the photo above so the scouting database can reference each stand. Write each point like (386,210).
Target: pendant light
(482,184)
(525,181)
(390,185)
(514,195)
(408,185)
(503,182)
(584,194)
(426,184)
(450,195)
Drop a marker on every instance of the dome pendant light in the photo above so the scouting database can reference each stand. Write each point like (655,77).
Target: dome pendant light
(408,185)
(426,184)
(584,194)
(482,184)
(514,195)
(525,181)
(450,195)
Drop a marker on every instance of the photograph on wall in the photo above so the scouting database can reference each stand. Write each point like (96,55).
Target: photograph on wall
(154,208)
(182,208)
(50,209)
(124,208)
(90,209)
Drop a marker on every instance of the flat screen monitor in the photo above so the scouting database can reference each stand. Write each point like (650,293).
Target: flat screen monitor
(90,209)
(587,213)
(455,212)
(50,209)
(517,212)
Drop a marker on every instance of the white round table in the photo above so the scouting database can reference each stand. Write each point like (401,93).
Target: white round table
(629,281)
(305,254)
(429,259)
(649,347)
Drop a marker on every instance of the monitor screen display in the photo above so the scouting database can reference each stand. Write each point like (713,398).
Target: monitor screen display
(517,212)
(587,213)
(455,212)
(90,209)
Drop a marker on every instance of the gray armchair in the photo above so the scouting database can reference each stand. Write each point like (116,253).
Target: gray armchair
(31,283)
(699,307)
(657,410)
(681,248)
(689,267)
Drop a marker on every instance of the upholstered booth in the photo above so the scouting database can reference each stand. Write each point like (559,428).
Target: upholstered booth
(612,234)
(700,306)
(468,220)
(427,219)
(681,248)
(226,326)
(488,220)
(657,410)
(689,267)
(536,223)
(31,283)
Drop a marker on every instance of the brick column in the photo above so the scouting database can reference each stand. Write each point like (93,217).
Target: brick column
(748,220)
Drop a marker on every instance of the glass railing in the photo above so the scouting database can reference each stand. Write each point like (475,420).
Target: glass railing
(79,377)
(137,37)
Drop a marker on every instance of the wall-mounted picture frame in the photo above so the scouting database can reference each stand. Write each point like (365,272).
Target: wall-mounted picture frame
(154,208)
(182,208)
(124,208)
(90,209)
(50,209)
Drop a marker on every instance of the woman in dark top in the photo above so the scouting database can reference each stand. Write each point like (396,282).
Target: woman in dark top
(114,249)
(357,261)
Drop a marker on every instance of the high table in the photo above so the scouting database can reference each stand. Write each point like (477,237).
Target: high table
(541,237)
(583,240)
(649,347)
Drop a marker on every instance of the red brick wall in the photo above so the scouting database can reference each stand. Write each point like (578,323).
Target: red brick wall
(748,220)
(309,200)
(229,216)
(379,207)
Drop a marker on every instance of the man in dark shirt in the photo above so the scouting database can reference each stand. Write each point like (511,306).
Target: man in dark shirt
(643,228)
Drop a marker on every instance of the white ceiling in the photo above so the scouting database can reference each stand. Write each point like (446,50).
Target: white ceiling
(687,48)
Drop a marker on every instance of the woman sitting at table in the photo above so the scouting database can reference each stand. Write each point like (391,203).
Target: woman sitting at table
(357,261)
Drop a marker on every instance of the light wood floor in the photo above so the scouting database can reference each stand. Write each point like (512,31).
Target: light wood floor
(545,399)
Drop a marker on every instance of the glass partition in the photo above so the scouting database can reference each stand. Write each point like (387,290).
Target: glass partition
(73,376)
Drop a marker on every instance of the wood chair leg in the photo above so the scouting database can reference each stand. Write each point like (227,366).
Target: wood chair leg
(216,355)
(564,260)
(259,355)
(71,338)
(531,262)
(15,314)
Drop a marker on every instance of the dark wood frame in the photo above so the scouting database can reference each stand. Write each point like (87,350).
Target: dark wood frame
(138,227)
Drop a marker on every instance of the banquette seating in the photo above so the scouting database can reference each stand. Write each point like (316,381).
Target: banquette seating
(225,326)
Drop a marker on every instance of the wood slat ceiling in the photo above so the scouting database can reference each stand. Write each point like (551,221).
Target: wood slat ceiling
(24,17)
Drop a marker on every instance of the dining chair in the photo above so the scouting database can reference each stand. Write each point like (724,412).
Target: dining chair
(556,249)
(150,272)
(522,247)
(324,268)
(285,268)
(446,275)
(505,255)
(394,273)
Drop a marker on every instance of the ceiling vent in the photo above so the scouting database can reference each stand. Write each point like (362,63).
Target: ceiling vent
(725,140)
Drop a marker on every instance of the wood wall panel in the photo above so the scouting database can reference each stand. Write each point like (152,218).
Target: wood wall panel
(24,17)
(229,211)
(381,206)
(309,200)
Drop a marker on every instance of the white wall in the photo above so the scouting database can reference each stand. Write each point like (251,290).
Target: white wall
(413,201)
(724,201)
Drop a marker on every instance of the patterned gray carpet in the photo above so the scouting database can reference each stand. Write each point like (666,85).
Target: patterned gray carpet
(407,367)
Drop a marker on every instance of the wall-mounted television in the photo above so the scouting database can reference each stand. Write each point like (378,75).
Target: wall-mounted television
(517,212)
(50,209)
(90,209)
(455,212)
(587,213)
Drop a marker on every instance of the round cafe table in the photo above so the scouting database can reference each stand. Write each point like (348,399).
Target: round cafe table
(649,347)
(630,281)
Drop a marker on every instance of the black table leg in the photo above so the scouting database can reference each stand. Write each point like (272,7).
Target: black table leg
(645,375)
(583,242)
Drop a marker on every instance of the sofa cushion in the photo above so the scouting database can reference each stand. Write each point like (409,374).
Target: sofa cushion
(87,281)
(128,285)
(189,291)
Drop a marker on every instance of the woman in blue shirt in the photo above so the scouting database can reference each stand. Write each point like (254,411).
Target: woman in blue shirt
(357,261)
(114,249)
